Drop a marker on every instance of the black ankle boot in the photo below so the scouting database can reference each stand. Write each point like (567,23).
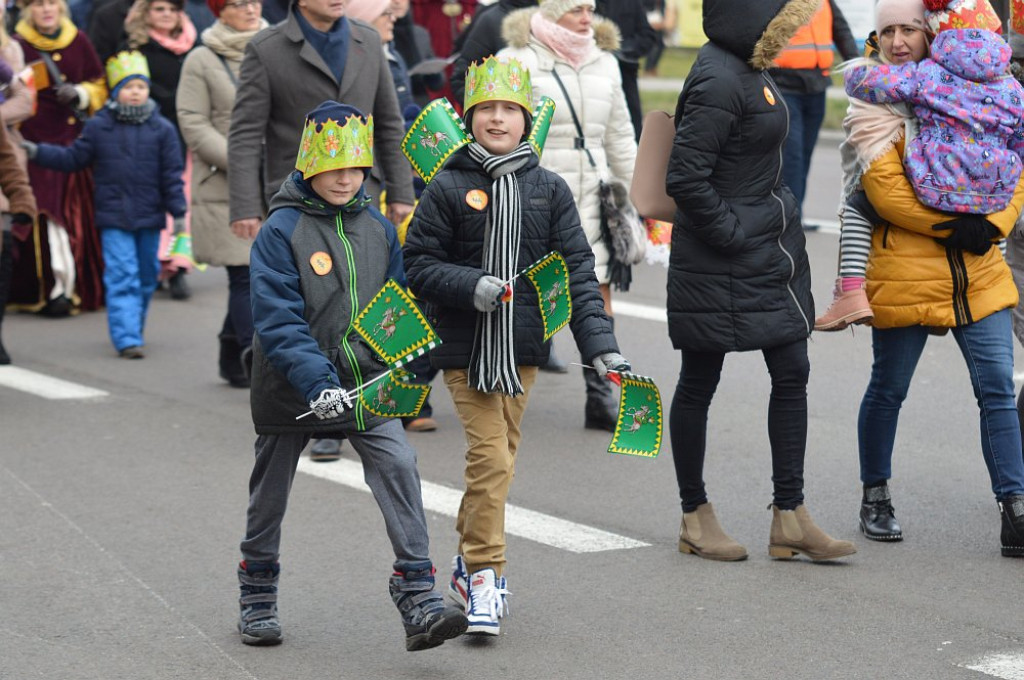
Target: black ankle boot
(1012,510)
(601,410)
(877,516)
(230,361)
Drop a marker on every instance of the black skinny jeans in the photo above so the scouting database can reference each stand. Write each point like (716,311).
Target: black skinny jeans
(238,320)
(789,369)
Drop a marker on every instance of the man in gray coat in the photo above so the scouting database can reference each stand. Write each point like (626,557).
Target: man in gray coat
(317,54)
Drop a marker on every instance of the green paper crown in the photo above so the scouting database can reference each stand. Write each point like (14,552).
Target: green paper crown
(502,80)
(542,116)
(330,146)
(435,135)
(124,64)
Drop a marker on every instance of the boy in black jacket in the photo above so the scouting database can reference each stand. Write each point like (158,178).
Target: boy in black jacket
(490,213)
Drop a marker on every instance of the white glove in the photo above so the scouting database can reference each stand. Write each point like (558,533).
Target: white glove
(31,148)
(331,403)
(179,225)
(611,361)
(488,292)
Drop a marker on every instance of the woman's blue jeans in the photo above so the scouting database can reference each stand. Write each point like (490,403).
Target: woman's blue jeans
(987,347)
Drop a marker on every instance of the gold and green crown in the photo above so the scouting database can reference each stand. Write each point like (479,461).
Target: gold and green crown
(502,80)
(542,116)
(330,146)
(124,64)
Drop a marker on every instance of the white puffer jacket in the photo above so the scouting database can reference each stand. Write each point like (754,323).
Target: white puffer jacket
(596,92)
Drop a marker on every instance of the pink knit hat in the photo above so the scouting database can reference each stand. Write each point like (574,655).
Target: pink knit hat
(366,10)
(899,13)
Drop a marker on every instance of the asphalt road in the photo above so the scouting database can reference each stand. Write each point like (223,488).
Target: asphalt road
(120,517)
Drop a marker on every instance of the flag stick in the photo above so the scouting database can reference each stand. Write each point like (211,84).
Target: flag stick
(354,390)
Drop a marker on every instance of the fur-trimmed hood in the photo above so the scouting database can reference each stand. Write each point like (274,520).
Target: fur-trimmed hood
(515,30)
(756,32)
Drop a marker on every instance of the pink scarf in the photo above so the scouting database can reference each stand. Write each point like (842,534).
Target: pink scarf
(573,47)
(183,43)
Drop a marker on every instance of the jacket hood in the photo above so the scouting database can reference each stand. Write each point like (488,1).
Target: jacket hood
(972,54)
(515,30)
(756,32)
(297,193)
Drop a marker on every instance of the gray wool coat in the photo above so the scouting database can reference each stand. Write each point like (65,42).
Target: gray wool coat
(206,95)
(282,79)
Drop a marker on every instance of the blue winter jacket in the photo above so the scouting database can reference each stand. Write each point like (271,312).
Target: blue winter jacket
(136,169)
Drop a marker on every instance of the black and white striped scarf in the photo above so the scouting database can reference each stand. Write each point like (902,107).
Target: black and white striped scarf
(492,367)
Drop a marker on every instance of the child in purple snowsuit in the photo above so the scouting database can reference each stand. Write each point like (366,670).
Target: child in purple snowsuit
(966,157)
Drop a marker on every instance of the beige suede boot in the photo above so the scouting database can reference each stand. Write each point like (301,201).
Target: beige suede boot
(700,534)
(793,531)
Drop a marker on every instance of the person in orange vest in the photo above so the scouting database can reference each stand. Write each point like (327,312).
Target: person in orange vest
(801,73)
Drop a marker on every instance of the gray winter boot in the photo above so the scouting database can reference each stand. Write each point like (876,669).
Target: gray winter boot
(258,622)
(428,621)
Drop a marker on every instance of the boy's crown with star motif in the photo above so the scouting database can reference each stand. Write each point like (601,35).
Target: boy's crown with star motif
(336,136)
(494,79)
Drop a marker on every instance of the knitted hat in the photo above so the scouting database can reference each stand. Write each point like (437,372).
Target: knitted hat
(555,9)
(366,10)
(944,15)
(336,136)
(123,67)
(899,13)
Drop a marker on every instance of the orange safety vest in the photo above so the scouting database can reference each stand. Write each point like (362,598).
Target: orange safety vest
(811,47)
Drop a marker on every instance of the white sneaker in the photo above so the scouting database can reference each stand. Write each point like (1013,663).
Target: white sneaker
(486,603)
(458,587)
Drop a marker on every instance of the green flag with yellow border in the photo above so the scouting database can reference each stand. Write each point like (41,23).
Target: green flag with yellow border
(639,429)
(550,276)
(394,327)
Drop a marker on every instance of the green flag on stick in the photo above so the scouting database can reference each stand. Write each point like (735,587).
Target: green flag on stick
(435,135)
(639,429)
(550,277)
(394,327)
(395,396)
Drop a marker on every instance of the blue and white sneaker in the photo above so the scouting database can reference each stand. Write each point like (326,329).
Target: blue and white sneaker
(486,604)
(458,588)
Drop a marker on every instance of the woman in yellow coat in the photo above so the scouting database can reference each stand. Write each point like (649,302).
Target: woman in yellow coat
(916,284)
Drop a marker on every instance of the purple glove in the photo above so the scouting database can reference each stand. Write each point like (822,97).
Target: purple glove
(6,73)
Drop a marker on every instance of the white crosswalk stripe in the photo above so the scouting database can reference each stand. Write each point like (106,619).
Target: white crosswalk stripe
(45,386)
(535,526)
(1004,666)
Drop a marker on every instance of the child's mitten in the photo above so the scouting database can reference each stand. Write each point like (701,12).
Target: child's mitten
(611,361)
(488,293)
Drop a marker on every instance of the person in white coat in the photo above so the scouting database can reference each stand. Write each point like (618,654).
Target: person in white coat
(569,52)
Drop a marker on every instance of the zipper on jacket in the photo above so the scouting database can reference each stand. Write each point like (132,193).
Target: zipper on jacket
(885,235)
(353,311)
(958,271)
(782,209)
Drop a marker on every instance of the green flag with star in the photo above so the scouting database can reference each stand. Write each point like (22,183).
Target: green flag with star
(395,396)
(394,327)
(639,429)
(550,277)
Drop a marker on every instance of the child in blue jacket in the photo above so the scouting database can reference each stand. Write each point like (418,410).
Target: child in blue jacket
(137,167)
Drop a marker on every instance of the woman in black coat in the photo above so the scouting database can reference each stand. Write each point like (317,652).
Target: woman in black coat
(739,278)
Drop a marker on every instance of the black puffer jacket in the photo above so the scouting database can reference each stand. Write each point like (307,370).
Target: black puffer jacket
(444,251)
(738,276)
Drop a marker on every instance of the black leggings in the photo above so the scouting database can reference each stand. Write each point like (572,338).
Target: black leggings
(789,368)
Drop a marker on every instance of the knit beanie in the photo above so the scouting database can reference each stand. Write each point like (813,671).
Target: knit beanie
(555,9)
(899,13)
(944,15)
(366,10)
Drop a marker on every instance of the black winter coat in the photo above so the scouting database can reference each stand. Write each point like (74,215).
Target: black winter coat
(444,251)
(738,277)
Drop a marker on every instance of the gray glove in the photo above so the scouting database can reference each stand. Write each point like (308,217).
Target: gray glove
(611,361)
(331,403)
(31,148)
(179,225)
(67,94)
(488,292)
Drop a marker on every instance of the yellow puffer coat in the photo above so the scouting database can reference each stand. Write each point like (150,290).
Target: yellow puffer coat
(912,279)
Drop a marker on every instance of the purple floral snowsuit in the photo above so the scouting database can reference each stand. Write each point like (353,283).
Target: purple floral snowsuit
(966,157)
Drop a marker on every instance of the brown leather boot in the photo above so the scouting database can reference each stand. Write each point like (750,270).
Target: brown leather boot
(700,534)
(793,531)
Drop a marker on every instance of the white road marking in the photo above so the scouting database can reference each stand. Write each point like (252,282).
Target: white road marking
(535,526)
(45,386)
(638,311)
(1005,666)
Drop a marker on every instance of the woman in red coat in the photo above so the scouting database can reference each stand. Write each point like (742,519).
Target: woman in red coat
(58,263)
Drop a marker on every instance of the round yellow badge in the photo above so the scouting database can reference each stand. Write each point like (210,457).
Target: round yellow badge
(321,262)
(477,199)
(769,96)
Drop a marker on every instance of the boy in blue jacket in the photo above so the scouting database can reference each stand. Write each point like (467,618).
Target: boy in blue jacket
(137,167)
(318,260)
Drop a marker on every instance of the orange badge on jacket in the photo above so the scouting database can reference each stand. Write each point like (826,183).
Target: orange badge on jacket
(769,96)
(321,262)
(477,199)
